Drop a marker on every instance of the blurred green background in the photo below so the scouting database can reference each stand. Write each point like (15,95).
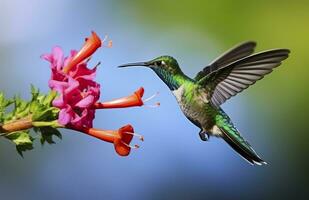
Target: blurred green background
(172,163)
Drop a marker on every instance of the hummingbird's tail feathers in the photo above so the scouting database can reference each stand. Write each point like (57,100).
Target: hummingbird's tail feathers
(232,136)
(249,156)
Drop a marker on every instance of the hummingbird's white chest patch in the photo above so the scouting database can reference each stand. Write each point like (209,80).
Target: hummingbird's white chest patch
(179,93)
(192,104)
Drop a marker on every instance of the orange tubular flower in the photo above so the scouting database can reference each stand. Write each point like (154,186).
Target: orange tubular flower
(120,138)
(90,46)
(133,100)
(130,101)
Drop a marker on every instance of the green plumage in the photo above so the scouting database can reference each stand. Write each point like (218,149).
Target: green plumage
(232,136)
(200,98)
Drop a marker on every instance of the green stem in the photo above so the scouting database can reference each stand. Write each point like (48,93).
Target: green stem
(53,124)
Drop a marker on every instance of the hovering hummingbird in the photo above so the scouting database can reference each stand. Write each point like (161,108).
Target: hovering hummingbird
(200,98)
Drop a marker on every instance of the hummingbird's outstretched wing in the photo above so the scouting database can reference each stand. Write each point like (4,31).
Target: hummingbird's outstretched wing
(239,75)
(235,53)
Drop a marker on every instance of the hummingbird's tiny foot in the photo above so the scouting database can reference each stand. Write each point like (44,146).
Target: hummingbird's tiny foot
(203,136)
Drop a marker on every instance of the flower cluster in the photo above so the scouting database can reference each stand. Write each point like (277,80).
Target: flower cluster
(79,94)
(75,84)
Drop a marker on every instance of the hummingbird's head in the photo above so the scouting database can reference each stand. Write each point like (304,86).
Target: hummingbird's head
(166,67)
(161,65)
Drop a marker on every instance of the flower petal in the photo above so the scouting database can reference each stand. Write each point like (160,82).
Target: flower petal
(57,57)
(86,102)
(65,116)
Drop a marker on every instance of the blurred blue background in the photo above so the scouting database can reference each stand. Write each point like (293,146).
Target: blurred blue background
(172,163)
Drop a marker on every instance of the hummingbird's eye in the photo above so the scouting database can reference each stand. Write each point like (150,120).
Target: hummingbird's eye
(158,63)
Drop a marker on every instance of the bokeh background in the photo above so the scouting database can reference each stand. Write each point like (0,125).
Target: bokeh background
(173,163)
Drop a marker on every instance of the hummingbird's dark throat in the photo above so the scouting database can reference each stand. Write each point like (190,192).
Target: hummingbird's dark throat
(167,78)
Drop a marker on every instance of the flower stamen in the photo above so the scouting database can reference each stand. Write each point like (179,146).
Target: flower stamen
(153,106)
(151,97)
(157,104)
(97,65)
(136,146)
(109,44)
(140,137)
(88,59)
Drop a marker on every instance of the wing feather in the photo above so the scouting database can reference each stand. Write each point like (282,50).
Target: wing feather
(239,75)
(235,53)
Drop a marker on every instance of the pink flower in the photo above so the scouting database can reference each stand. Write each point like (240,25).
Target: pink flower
(79,94)
(77,88)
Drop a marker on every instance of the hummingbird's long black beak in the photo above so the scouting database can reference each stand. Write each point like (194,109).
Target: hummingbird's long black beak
(145,64)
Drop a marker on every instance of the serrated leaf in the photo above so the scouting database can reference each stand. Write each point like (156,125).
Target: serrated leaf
(49,98)
(21,108)
(47,134)
(34,92)
(45,114)
(34,105)
(4,102)
(36,129)
(8,102)
(22,140)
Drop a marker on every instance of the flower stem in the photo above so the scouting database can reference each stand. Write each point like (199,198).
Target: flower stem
(53,124)
(16,125)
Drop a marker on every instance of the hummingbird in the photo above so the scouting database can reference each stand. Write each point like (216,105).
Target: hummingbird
(200,98)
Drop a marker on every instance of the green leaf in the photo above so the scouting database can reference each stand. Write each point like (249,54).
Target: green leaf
(4,103)
(41,106)
(44,118)
(35,105)
(34,92)
(22,140)
(44,114)
(47,135)
(49,98)
(21,108)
